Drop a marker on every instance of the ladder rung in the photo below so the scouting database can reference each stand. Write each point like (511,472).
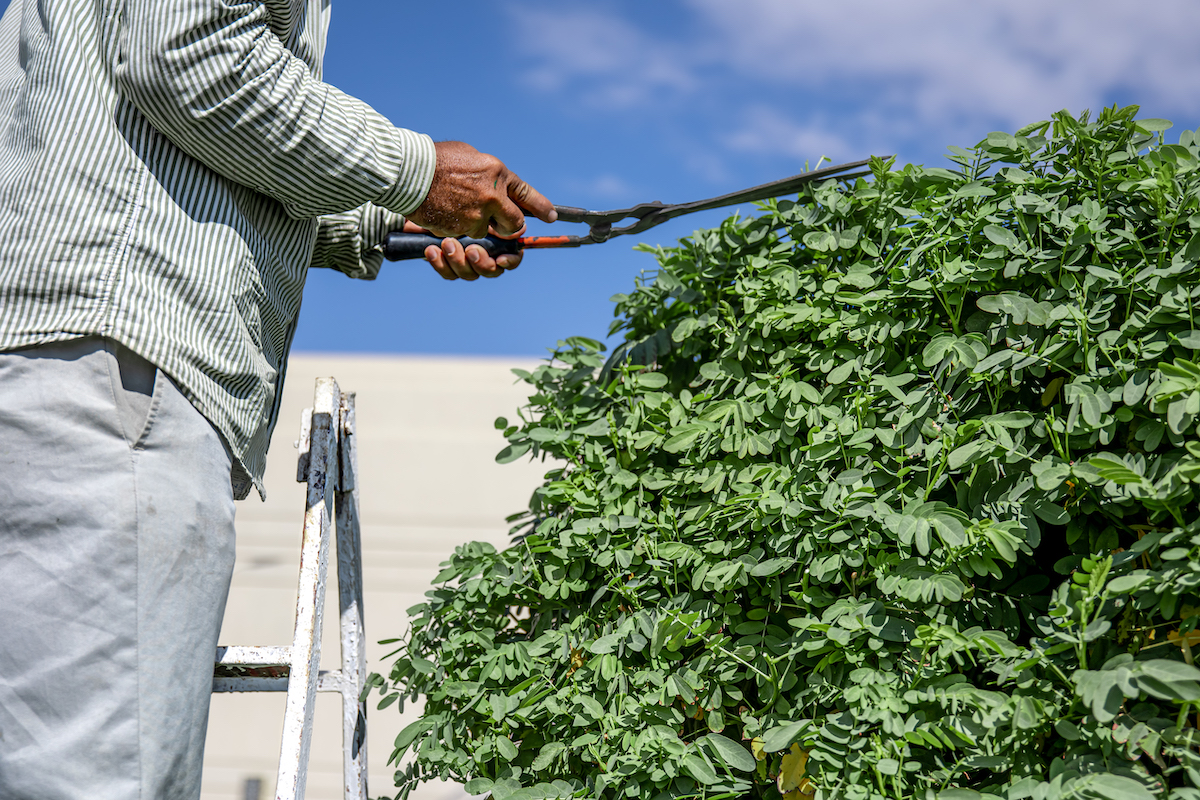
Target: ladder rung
(249,683)
(267,656)
(272,663)
(330,680)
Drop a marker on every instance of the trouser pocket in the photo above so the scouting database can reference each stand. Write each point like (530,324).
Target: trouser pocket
(135,383)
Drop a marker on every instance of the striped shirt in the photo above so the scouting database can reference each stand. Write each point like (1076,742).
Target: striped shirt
(169,170)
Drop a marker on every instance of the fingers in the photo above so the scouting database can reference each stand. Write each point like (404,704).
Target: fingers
(508,221)
(452,261)
(509,261)
(437,260)
(531,200)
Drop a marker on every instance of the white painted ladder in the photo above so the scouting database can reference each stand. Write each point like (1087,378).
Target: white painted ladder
(328,464)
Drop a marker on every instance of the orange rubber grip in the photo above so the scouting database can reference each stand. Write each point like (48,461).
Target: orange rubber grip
(544,241)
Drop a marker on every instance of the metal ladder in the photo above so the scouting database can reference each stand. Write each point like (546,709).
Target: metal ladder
(328,463)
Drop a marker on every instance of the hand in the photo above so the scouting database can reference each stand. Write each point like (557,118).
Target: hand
(452,262)
(473,193)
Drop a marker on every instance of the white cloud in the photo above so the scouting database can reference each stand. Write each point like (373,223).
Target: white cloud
(764,129)
(603,60)
(1014,60)
(606,187)
(805,78)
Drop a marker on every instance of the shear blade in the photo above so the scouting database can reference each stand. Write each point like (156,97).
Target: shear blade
(647,215)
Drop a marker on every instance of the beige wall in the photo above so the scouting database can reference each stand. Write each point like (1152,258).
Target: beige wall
(428,482)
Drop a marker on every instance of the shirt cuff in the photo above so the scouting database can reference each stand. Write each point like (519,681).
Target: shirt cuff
(417,158)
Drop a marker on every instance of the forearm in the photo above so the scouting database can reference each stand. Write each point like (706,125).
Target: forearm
(221,86)
(352,241)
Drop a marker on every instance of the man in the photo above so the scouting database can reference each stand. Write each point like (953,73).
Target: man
(169,169)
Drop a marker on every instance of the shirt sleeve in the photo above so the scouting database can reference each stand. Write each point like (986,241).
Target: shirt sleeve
(352,241)
(215,79)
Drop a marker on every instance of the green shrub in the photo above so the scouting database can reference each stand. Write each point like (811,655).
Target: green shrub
(889,493)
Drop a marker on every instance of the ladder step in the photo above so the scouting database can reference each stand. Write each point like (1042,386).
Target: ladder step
(263,669)
(247,683)
(253,662)
(265,655)
(331,680)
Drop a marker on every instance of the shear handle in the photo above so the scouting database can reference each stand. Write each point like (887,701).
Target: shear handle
(399,246)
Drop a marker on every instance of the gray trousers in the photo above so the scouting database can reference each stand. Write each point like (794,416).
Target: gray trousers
(116,551)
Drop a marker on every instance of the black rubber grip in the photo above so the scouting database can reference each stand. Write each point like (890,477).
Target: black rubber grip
(399,246)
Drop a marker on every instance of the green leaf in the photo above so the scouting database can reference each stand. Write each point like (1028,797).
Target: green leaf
(1067,730)
(546,435)
(1051,512)
(1012,419)
(782,737)
(478,786)
(675,551)
(506,748)
(546,756)
(506,788)
(684,436)
(888,766)
(583,740)
(1128,583)
(1001,236)
(1135,387)
(771,567)
(1190,339)
(1021,308)
(684,329)
(1101,691)
(1111,468)
(840,373)
(1050,476)
(1154,125)
(410,732)
(1113,787)
(1169,680)
(937,349)
(605,644)
(938,516)
(1028,715)
(729,752)
(591,706)
(651,380)
(1191,251)
(698,768)
(1002,140)
(513,452)
(968,453)
(1000,358)
(893,629)
(599,427)
(1112,276)
(806,392)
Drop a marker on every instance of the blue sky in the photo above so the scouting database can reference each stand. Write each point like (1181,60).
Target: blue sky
(608,103)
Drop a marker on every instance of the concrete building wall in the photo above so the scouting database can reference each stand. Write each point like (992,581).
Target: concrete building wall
(428,482)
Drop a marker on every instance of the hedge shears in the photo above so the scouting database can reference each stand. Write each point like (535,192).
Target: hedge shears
(398,246)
